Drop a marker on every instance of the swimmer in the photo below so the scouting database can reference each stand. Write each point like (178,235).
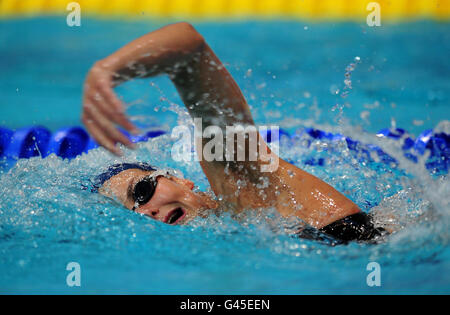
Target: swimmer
(208,91)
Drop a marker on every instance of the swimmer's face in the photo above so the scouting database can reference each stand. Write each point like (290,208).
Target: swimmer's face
(173,202)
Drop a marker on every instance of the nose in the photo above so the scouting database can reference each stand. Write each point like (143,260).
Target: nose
(154,213)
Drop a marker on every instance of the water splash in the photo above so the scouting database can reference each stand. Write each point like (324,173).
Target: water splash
(348,77)
(348,86)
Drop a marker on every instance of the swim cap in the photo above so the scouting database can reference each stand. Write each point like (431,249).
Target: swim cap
(117,169)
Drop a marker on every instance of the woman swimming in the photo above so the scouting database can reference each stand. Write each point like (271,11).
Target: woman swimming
(209,92)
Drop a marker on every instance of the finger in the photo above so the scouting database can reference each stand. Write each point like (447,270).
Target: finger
(99,136)
(93,121)
(108,128)
(114,108)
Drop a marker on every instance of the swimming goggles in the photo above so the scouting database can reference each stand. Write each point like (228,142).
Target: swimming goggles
(145,189)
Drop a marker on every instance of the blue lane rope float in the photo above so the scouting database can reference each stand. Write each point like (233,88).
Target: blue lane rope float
(68,143)
(5,139)
(438,144)
(71,142)
(27,142)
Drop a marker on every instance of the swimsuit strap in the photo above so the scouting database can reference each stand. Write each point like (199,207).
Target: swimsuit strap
(357,227)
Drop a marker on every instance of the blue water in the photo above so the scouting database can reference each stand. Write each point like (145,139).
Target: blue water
(290,76)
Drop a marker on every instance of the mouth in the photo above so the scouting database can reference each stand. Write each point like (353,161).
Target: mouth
(175,216)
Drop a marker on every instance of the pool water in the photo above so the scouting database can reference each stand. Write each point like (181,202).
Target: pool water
(292,74)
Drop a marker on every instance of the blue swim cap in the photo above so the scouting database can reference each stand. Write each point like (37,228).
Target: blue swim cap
(117,169)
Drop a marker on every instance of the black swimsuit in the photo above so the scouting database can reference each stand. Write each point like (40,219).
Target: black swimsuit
(358,227)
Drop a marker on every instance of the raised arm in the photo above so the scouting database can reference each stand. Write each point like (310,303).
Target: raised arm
(207,89)
(209,92)
(149,55)
(177,50)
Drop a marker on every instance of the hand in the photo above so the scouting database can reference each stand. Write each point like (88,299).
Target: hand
(102,110)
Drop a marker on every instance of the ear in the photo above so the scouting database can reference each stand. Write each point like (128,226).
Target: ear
(184,182)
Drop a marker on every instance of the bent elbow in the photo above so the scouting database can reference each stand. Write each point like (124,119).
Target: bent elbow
(194,40)
(187,28)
